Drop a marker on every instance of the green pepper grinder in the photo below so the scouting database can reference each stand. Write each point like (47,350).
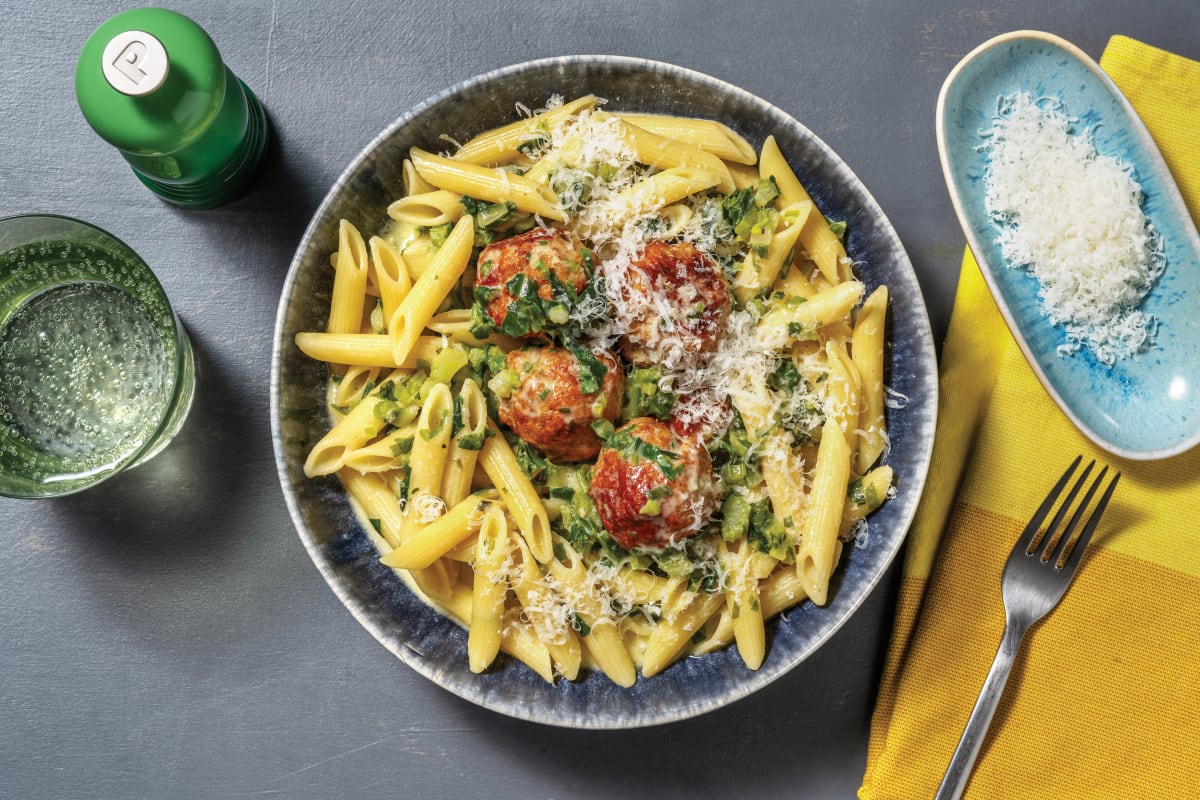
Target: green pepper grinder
(152,84)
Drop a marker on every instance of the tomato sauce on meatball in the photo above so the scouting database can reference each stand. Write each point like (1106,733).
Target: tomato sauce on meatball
(542,257)
(548,409)
(651,487)
(682,302)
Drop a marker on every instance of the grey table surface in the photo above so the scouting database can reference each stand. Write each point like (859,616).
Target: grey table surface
(165,635)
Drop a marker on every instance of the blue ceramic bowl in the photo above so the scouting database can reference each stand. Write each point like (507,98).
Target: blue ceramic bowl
(379,599)
(1144,407)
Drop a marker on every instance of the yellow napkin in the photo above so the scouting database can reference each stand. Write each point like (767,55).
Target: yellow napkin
(1104,699)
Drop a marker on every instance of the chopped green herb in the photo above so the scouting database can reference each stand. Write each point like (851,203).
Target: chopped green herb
(644,397)
(748,211)
(562,493)
(785,378)
(603,429)
(387,410)
(378,323)
(432,433)
(735,518)
(864,494)
(532,147)
(653,505)
(767,533)
(532,463)
(580,626)
(766,191)
(800,330)
(633,449)
(473,441)
(447,364)
(438,234)
(591,369)
(737,205)
(504,382)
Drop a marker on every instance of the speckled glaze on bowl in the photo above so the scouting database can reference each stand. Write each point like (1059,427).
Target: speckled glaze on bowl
(1146,407)
(433,645)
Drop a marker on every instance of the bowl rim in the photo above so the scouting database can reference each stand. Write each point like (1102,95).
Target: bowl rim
(919,320)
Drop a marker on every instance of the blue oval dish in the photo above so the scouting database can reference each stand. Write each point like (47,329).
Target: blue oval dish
(1144,407)
(430,643)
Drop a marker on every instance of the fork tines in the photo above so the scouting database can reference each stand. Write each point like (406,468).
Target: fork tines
(1031,542)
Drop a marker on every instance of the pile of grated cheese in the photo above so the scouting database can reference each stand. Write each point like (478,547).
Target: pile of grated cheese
(1073,219)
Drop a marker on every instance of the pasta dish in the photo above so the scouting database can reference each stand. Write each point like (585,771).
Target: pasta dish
(606,389)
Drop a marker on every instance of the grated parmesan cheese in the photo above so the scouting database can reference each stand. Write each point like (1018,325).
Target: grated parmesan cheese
(1073,219)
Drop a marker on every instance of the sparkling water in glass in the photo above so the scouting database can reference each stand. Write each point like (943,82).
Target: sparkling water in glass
(96,372)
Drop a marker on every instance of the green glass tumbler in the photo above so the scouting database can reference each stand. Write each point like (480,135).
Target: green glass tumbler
(96,371)
(152,83)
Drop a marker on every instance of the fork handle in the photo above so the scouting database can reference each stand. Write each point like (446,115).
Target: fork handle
(981,716)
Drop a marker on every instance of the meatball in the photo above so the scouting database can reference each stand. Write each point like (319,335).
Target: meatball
(652,488)
(547,407)
(544,257)
(701,414)
(682,302)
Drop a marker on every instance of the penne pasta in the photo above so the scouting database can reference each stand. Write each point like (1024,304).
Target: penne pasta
(815,557)
(355,429)
(666,187)
(383,454)
(746,570)
(518,494)
(758,272)
(842,404)
(819,240)
(603,641)
(800,318)
(349,281)
(353,385)
(465,443)
(412,180)
(377,502)
(673,633)
(705,134)
(665,154)
(489,590)
(428,209)
(867,494)
(423,547)
(866,349)
(470,463)
(484,183)
(366,349)
(502,145)
(431,441)
(422,301)
(534,595)
(516,638)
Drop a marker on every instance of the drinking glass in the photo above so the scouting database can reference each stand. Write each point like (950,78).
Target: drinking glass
(96,371)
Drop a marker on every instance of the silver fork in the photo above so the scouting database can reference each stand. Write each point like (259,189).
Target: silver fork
(1035,578)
